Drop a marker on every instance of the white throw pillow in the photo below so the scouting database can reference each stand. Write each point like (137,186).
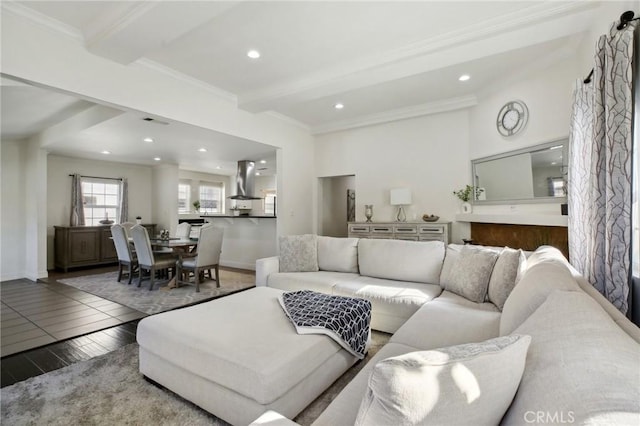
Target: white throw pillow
(338,254)
(507,271)
(469,275)
(469,384)
(298,253)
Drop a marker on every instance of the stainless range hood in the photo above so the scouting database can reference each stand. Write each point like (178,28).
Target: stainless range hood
(245,181)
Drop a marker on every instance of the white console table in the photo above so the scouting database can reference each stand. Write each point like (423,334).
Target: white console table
(413,231)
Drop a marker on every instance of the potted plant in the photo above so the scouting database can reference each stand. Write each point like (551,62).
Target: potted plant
(139,220)
(465,195)
(196,205)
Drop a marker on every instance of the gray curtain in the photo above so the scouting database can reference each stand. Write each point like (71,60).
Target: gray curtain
(123,214)
(600,173)
(77,203)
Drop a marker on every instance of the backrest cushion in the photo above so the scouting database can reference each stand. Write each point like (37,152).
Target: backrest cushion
(338,254)
(473,384)
(532,290)
(507,271)
(298,253)
(581,367)
(416,261)
(469,274)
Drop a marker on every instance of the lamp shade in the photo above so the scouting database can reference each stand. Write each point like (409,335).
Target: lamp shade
(400,196)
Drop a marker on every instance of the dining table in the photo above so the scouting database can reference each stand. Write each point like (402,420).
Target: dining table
(175,243)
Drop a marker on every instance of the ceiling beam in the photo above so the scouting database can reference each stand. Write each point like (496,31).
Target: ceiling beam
(70,127)
(538,24)
(133,29)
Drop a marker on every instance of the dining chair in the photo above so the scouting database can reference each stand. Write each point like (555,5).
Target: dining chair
(127,227)
(183,230)
(123,248)
(147,260)
(207,256)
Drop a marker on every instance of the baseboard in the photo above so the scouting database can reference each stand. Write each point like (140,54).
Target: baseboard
(12,276)
(239,265)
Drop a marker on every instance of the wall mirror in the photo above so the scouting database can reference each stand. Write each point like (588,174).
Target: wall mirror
(535,174)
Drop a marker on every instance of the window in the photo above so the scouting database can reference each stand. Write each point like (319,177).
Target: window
(184,198)
(269,202)
(101,200)
(211,196)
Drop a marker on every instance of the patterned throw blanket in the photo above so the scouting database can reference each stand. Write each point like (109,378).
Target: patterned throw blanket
(345,319)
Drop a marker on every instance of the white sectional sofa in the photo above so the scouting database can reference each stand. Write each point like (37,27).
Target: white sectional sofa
(582,365)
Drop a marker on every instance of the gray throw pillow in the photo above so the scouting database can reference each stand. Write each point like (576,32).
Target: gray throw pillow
(469,384)
(469,275)
(298,253)
(507,270)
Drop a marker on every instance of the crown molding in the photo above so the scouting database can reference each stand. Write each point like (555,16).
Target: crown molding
(397,114)
(514,21)
(22,11)
(153,65)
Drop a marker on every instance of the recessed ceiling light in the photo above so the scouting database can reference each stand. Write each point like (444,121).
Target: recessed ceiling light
(253,54)
(105,152)
(338,106)
(464,77)
(148,139)
(203,150)
(218,167)
(157,158)
(263,161)
(257,173)
(553,163)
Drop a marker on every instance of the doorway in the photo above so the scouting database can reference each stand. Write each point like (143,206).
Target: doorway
(337,205)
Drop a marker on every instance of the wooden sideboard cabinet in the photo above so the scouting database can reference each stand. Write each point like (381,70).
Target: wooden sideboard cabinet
(413,231)
(76,246)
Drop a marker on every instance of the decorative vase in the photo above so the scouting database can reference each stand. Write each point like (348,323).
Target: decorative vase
(467,207)
(139,221)
(368,211)
(74,217)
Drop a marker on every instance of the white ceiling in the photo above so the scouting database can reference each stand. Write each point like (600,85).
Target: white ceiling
(380,59)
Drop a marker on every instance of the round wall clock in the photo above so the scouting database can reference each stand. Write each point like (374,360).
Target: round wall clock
(512,118)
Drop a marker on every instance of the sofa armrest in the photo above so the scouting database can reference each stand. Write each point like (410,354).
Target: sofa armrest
(265,267)
(271,418)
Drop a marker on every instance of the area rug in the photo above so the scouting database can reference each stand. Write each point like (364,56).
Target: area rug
(159,299)
(109,390)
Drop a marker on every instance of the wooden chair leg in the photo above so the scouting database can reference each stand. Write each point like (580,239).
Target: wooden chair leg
(197,278)
(130,273)
(152,274)
(139,275)
(217,275)
(119,271)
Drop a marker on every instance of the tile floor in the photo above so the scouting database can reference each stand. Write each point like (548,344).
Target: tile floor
(36,314)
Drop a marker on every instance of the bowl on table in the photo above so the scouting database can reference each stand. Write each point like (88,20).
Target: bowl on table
(430,217)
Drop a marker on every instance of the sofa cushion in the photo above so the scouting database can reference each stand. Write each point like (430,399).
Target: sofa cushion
(321,281)
(298,253)
(532,290)
(507,271)
(449,320)
(416,261)
(469,275)
(396,299)
(472,384)
(581,367)
(338,254)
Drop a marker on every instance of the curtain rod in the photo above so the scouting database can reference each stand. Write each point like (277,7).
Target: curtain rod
(98,177)
(625,18)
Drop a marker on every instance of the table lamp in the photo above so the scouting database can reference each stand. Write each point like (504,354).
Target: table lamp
(401,197)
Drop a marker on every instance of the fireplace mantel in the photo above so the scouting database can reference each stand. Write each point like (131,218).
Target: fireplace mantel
(514,219)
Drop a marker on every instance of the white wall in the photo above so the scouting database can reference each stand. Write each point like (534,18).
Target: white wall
(165,197)
(59,190)
(429,155)
(261,184)
(12,208)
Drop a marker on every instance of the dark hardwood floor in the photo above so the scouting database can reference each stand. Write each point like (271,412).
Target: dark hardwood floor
(39,313)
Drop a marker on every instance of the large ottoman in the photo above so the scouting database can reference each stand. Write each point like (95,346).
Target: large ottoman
(239,356)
